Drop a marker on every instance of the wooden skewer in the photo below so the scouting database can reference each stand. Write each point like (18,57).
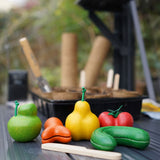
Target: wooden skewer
(110,79)
(116,81)
(82,79)
(81,151)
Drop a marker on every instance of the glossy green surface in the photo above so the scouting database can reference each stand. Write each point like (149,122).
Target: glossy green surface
(26,126)
(102,138)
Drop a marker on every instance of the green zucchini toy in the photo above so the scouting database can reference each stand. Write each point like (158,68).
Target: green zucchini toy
(107,138)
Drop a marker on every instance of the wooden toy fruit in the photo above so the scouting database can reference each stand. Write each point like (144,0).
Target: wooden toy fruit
(107,138)
(116,118)
(55,131)
(82,122)
(25,125)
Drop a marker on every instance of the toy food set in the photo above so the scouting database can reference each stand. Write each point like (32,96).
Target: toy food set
(82,122)
(85,125)
(54,131)
(80,117)
(25,125)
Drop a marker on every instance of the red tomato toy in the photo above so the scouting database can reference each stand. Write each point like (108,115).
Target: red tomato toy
(116,118)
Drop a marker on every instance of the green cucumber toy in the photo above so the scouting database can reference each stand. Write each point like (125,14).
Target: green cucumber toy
(107,138)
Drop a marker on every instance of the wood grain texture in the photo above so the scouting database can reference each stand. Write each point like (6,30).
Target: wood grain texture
(33,63)
(81,151)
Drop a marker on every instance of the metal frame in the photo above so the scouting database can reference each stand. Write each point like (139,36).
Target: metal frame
(123,43)
(126,22)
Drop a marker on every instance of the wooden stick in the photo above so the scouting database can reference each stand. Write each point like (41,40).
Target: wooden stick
(81,151)
(116,81)
(82,79)
(110,79)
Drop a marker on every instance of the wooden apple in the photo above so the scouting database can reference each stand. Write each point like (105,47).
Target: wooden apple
(25,125)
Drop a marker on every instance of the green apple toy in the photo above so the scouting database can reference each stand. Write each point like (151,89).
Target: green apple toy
(25,125)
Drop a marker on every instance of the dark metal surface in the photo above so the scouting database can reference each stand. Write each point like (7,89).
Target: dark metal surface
(122,40)
(133,8)
(124,57)
(102,5)
(105,30)
(11,150)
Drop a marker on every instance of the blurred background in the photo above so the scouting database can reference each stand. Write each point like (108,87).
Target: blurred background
(44,22)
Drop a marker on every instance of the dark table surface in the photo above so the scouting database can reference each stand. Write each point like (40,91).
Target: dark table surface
(11,150)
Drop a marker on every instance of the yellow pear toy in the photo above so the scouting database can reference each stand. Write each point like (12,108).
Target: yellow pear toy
(82,122)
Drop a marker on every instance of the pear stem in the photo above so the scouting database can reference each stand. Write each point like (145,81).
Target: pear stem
(15,111)
(83,93)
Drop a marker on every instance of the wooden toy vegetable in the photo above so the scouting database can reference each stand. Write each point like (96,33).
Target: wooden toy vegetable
(116,118)
(55,131)
(107,138)
(25,125)
(82,122)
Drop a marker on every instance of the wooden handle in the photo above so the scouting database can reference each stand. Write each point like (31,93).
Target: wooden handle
(110,79)
(81,151)
(30,57)
(116,81)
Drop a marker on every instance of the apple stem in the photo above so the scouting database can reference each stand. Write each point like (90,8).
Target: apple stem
(15,111)
(83,93)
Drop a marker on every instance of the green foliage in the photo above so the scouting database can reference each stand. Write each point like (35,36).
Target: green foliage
(64,17)
(44,24)
(53,76)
